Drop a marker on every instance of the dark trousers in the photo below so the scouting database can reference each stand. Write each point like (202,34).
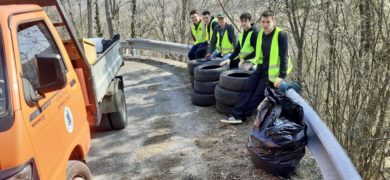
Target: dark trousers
(198,51)
(253,94)
(234,63)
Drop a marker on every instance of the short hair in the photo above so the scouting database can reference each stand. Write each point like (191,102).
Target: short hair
(193,12)
(268,13)
(246,15)
(204,13)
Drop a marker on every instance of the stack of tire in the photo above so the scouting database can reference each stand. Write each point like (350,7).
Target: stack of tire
(227,93)
(206,78)
(192,64)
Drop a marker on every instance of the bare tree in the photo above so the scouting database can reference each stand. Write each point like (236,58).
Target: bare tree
(298,28)
(133,13)
(108,4)
(90,16)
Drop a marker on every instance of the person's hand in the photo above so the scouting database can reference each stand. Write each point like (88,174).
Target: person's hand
(208,55)
(256,124)
(283,86)
(223,63)
(240,64)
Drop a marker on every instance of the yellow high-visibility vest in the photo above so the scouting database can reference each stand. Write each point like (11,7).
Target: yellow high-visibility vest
(274,59)
(226,46)
(200,33)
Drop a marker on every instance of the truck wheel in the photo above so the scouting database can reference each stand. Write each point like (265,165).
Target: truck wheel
(76,170)
(118,119)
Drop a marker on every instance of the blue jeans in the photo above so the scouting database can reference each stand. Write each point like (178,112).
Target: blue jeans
(198,51)
(218,54)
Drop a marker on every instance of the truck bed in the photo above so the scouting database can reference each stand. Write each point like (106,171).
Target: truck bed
(105,69)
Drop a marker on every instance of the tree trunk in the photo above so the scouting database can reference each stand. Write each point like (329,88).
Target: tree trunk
(89,14)
(99,32)
(183,24)
(133,12)
(109,18)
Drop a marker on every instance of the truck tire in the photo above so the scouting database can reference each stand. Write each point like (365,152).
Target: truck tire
(234,80)
(118,119)
(209,72)
(205,87)
(203,100)
(226,96)
(77,169)
(192,64)
(223,108)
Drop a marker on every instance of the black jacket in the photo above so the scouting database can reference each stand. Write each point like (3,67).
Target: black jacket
(253,42)
(283,52)
(231,35)
(213,24)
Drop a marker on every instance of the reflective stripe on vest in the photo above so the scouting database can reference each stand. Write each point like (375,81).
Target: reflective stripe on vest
(274,59)
(200,33)
(210,33)
(246,47)
(226,46)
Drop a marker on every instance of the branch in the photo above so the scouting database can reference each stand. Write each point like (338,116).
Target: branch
(224,10)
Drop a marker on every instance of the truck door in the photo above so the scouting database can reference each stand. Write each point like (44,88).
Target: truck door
(55,122)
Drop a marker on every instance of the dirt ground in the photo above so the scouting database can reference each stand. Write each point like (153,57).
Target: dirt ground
(169,138)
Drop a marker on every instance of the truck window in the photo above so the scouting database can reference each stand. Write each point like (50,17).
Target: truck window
(3,96)
(34,38)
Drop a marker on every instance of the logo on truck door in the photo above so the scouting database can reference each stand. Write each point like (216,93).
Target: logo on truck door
(68,119)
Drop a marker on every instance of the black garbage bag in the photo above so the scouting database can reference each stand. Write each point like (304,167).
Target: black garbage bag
(278,144)
(107,43)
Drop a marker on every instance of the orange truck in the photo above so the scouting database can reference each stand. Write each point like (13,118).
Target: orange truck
(53,88)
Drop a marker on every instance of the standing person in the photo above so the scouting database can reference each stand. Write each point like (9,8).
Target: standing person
(198,32)
(244,52)
(223,41)
(273,65)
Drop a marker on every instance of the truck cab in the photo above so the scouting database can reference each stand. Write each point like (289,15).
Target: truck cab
(50,95)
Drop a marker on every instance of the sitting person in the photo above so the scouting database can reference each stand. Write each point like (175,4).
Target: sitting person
(223,40)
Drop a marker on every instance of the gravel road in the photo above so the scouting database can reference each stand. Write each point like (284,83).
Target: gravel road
(169,138)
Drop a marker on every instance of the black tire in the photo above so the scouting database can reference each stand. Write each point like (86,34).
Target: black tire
(226,96)
(203,100)
(234,80)
(192,79)
(76,169)
(118,119)
(223,108)
(192,64)
(209,72)
(205,87)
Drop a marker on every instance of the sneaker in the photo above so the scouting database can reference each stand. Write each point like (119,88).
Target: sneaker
(231,120)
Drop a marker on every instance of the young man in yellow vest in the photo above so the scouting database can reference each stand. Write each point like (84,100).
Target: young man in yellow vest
(199,34)
(211,22)
(246,47)
(223,41)
(273,65)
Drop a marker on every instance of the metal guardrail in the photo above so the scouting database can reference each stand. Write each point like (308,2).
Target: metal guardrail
(138,43)
(330,156)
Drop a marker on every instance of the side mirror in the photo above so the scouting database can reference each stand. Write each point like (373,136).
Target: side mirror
(51,72)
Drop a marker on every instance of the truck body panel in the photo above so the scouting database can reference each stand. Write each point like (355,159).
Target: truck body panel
(55,128)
